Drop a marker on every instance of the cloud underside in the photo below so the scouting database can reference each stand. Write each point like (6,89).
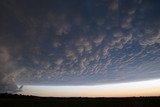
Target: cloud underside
(78,43)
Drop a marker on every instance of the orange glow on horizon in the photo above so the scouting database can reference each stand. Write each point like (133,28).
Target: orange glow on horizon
(142,88)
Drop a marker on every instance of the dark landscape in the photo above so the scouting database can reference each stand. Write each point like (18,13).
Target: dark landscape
(9,100)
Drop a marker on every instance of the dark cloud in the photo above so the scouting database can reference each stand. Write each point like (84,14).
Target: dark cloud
(114,4)
(99,39)
(78,42)
(151,35)
(8,72)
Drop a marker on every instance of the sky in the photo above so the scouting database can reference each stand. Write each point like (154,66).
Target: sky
(76,43)
(128,89)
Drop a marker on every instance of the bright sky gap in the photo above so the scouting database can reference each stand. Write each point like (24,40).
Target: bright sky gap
(142,88)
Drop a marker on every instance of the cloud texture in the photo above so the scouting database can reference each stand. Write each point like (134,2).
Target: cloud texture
(64,42)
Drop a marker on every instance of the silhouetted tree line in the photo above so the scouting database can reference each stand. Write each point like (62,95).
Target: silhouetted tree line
(10,95)
(19,100)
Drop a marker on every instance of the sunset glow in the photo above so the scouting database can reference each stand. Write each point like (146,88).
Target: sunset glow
(143,88)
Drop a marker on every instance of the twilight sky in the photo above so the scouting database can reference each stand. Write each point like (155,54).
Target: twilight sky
(78,42)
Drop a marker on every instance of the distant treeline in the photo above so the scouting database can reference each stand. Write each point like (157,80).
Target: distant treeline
(18,100)
(9,95)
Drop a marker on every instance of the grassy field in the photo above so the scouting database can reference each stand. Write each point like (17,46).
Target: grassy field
(7,100)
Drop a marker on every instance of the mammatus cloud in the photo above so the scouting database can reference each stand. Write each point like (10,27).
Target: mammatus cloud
(114,5)
(70,54)
(56,44)
(58,61)
(120,39)
(126,22)
(99,39)
(83,45)
(151,35)
(77,43)
(82,64)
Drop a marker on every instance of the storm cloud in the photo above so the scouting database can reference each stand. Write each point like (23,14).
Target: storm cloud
(8,72)
(77,42)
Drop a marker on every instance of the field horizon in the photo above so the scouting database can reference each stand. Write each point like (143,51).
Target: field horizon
(15,100)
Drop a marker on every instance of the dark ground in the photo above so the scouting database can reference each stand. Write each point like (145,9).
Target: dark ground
(8,100)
